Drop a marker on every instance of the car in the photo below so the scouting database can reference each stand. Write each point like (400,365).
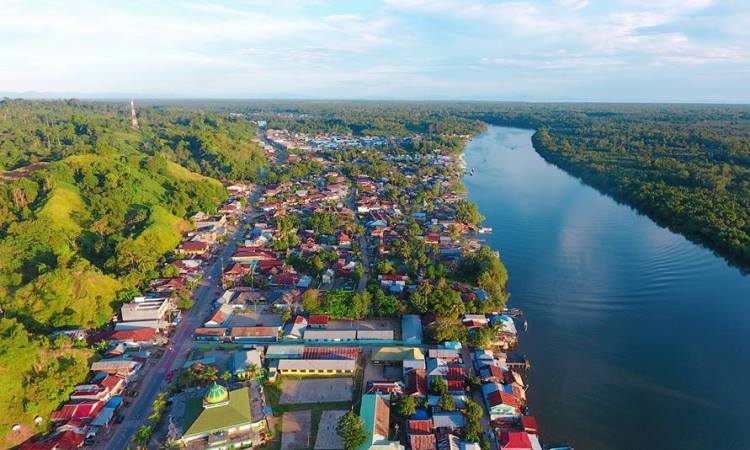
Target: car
(170,376)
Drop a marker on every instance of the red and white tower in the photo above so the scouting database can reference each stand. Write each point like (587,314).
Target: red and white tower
(133,117)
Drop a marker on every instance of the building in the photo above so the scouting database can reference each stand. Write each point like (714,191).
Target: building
(330,335)
(246,364)
(146,310)
(411,329)
(222,419)
(240,334)
(375,414)
(396,355)
(317,366)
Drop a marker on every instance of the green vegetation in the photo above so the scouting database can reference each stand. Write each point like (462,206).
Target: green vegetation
(89,208)
(35,374)
(351,430)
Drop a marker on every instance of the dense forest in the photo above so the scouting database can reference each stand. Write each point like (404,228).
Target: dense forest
(685,166)
(88,209)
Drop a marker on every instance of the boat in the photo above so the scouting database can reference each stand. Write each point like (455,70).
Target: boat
(472,172)
(485,230)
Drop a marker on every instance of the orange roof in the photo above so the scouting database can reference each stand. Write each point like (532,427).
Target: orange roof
(254,332)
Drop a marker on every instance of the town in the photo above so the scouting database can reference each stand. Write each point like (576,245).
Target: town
(347,302)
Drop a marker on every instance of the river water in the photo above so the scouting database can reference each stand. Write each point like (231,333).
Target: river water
(638,338)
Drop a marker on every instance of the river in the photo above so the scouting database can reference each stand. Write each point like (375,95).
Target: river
(638,338)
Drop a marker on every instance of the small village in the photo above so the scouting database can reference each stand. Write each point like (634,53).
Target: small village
(356,282)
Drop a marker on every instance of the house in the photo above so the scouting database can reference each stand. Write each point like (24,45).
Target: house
(239,334)
(515,440)
(297,328)
(193,248)
(85,410)
(65,440)
(116,367)
(447,421)
(344,240)
(201,220)
(420,433)
(210,334)
(317,366)
(134,337)
(168,285)
(501,405)
(416,383)
(317,321)
(393,282)
(220,317)
(375,415)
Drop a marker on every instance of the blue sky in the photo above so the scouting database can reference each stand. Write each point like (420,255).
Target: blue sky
(590,50)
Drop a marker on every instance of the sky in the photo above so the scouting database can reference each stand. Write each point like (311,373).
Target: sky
(533,50)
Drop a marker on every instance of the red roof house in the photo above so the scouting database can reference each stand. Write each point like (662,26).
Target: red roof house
(83,410)
(515,440)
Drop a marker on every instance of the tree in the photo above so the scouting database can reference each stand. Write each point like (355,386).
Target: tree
(446,402)
(407,406)
(351,430)
(481,337)
(472,425)
(446,329)
(438,386)
(311,300)
(142,436)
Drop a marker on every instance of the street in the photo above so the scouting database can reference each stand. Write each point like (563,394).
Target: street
(177,350)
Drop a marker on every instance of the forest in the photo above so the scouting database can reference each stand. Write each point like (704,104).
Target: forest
(89,207)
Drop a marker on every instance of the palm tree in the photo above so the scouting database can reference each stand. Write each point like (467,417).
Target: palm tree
(142,436)
(226,376)
(252,370)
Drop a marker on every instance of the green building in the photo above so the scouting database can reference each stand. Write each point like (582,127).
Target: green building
(224,419)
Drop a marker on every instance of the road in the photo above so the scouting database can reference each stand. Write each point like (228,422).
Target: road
(175,354)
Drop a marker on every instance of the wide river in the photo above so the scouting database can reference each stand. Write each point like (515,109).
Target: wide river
(638,338)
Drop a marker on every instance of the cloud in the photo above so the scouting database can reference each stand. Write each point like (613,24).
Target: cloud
(391,48)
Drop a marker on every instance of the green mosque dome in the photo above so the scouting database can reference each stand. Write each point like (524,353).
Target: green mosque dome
(216,395)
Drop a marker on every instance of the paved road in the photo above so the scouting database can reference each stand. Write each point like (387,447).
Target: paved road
(175,354)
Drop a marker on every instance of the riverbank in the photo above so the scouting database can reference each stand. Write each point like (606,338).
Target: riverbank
(636,195)
(623,314)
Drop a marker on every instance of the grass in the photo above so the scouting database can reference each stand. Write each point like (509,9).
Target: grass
(61,204)
(163,231)
(177,172)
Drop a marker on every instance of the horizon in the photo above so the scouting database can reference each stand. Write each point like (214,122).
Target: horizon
(579,51)
(127,98)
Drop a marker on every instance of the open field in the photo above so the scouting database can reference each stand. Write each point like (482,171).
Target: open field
(295,430)
(316,391)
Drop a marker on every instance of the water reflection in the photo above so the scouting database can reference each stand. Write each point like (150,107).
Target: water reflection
(639,339)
